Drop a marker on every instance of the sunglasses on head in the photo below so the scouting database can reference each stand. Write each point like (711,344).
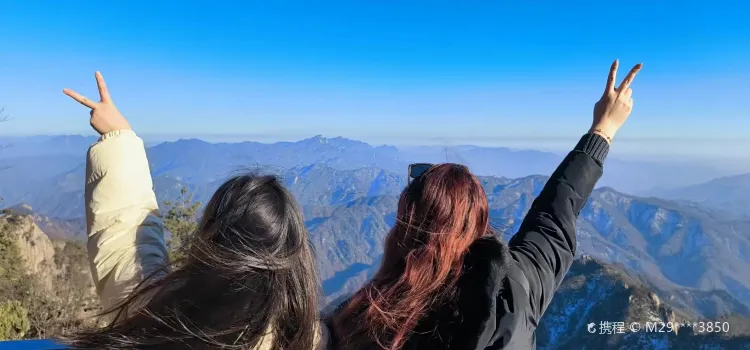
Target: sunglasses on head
(417,169)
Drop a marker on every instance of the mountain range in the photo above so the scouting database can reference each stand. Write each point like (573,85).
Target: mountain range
(727,194)
(345,154)
(691,254)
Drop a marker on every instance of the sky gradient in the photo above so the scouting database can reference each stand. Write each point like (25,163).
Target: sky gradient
(397,72)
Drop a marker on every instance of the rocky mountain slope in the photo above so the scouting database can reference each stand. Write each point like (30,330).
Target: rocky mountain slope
(47,281)
(600,306)
(34,247)
(55,229)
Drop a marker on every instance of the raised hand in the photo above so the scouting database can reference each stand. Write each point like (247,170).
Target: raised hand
(104,115)
(615,105)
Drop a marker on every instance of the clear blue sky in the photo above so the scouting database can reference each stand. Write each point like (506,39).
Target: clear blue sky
(375,69)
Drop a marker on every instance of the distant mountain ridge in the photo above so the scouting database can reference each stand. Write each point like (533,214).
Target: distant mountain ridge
(729,194)
(29,146)
(346,154)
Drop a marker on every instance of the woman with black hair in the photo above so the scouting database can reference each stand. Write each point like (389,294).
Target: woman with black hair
(248,280)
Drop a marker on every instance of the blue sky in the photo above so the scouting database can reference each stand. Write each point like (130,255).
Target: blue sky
(494,72)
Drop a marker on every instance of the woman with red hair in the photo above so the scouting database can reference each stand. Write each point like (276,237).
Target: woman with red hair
(448,282)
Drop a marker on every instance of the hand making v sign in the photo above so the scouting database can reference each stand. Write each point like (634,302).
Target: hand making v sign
(615,105)
(104,115)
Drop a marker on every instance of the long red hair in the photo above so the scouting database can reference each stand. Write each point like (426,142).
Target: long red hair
(440,214)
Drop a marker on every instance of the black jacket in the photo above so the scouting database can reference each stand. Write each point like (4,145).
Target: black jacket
(505,289)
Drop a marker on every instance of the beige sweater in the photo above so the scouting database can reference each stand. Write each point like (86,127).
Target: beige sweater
(125,230)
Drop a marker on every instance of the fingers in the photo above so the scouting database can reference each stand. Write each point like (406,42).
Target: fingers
(80,98)
(628,92)
(612,76)
(629,78)
(103,92)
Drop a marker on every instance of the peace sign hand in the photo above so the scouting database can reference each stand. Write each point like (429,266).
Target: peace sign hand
(104,115)
(615,105)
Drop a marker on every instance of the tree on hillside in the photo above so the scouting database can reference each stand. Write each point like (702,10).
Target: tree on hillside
(181,222)
(14,317)
(14,320)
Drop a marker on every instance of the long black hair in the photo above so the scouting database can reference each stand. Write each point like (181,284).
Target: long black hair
(249,274)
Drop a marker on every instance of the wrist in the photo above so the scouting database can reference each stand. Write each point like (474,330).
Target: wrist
(594,145)
(604,135)
(607,133)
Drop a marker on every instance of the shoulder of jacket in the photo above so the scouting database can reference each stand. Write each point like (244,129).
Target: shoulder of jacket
(515,275)
(490,256)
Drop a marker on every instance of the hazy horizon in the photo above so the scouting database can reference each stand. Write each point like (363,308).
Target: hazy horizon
(718,154)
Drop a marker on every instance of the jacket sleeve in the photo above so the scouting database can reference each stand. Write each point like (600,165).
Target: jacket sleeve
(125,231)
(545,244)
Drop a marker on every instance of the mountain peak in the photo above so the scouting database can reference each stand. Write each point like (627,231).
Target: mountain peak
(22,209)
(609,191)
(336,141)
(191,141)
(318,138)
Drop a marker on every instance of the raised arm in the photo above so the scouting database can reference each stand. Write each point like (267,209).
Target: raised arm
(125,231)
(545,244)
(544,247)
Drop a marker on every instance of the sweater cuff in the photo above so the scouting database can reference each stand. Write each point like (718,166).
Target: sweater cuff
(593,145)
(114,133)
